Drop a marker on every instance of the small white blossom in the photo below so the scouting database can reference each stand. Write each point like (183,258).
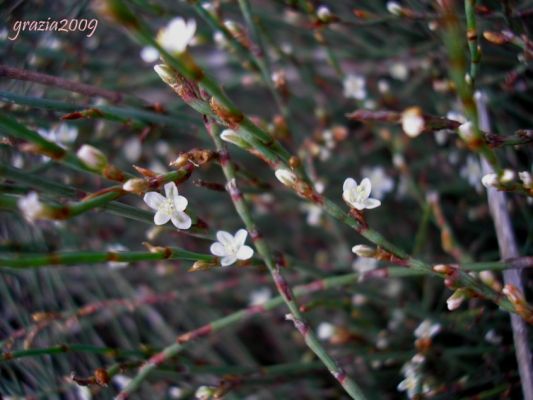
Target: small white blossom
(60,134)
(507,176)
(426,329)
(149,54)
(31,207)
(132,149)
(177,35)
(355,87)
(121,381)
(171,207)
(399,71)
(472,172)
(357,196)
(413,123)
(260,296)
(204,392)
(363,265)
(314,213)
(325,330)
(323,13)
(92,157)
(394,8)
(231,248)
(489,180)
(285,176)
(383,86)
(466,130)
(526,179)
(381,182)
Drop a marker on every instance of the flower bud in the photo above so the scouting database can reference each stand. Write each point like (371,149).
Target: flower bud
(31,207)
(507,176)
(286,177)
(323,13)
(413,123)
(456,299)
(230,136)
(92,157)
(466,131)
(166,74)
(526,179)
(362,250)
(394,8)
(136,185)
(490,180)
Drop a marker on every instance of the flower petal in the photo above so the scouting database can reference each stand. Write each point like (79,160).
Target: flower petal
(180,202)
(153,199)
(217,249)
(371,203)
(245,252)
(227,260)
(366,187)
(181,220)
(161,218)
(349,184)
(225,238)
(170,190)
(240,237)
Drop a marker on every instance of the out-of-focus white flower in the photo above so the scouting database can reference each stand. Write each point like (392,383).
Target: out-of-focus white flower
(412,384)
(260,296)
(31,207)
(526,179)
(60,134)
(231,248)
(413,123)
(84,393)
(132,149)
(399,71)
(456,116)
(92,157)
(381,182)
(204,392)
(121,381)
(325,330)
(314,213)
(489,180)
(472,172)
(171,207)
(117,248)
(285,176)
(175,392)
(149,54)
(357,196)
(394,8)
(323,13)
(363,265)
(383,86)
(427,329)
(355,87)
(507,176)
(441,136)
(492,337)
(177,35)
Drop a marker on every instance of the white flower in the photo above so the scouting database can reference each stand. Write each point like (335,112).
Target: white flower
(466,130)
(357,196)
(285,176)
(394,8)
(60,134)
(149,54)
(92,157)
(260,296)
(177,35)
(171,207)
(507,176)
(31,207)
(427,330)
(526,179)
(117,248)
(399,71)
(121,381)
(132,149)
(472,172)
(490,180)
(413,123)
(381,182)
(204,392)
(363,265)
(354,87)
(314,213)
(231,248)
(325,330)
(323,13)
